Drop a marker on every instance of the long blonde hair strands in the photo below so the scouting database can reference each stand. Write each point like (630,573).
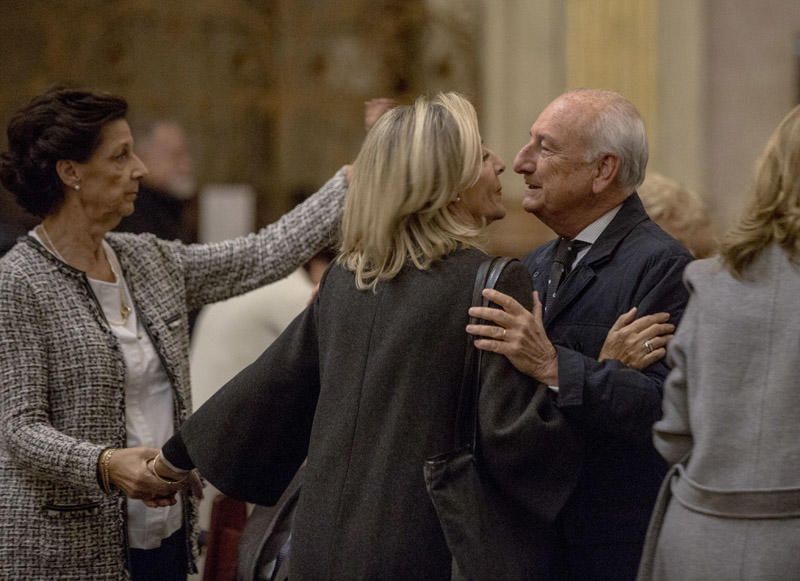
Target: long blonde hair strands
(774,211)
(414,162)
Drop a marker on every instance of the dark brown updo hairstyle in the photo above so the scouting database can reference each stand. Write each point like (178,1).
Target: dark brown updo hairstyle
(59,124)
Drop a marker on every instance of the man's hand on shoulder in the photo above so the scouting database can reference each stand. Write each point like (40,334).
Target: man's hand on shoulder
(518,334)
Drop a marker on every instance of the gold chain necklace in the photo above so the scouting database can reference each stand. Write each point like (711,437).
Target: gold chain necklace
(125,308)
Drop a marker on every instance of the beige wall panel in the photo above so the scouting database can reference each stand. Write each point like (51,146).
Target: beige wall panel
(522,65)
(752,80)
(682,149)
(336,55)
(613,44)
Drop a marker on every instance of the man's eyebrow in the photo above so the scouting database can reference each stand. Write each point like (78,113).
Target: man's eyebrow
(542,136)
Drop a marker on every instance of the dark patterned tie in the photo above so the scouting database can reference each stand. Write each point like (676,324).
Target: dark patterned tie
(566,251)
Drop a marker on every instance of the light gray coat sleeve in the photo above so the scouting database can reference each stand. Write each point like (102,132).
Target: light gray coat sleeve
(672,435)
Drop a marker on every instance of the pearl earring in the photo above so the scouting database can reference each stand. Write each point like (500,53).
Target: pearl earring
(77,187)
(458,198)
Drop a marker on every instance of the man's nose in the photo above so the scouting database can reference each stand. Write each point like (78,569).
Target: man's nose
(524,162)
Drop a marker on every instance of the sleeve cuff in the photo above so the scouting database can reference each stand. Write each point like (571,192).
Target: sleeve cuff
(175,455)
(570,377)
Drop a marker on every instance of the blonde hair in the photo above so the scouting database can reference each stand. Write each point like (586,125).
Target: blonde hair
(773,214)
(414,162)
(679,211)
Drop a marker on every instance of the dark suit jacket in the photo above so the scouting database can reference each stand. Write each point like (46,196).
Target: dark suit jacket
(367,383)
(633,263)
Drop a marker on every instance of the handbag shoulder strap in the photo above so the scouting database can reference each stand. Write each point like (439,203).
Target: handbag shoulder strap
(466,434)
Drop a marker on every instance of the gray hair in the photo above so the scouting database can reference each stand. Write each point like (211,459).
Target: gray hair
(616,128)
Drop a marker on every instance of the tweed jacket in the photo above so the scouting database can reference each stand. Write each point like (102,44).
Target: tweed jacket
(62,377)
(732,511)
(366,384)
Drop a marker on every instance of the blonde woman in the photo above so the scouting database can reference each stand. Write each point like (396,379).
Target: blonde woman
(680,212)
(731,508)
(366,381)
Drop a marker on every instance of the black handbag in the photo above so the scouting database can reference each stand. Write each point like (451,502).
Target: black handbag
(484,536)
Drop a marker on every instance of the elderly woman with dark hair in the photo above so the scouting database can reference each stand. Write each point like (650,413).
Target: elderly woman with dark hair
(94,341)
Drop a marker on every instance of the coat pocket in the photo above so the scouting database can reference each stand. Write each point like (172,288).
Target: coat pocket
(72,510)
(174,321)
(71,530)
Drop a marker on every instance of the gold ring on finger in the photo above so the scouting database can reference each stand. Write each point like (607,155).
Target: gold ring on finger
(648,346)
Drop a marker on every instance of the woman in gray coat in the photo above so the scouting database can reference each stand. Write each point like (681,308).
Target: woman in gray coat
(94,346)
(366,381)
(730,509)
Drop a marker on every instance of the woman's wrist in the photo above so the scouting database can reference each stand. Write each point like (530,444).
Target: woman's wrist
(166,472)
(104,470)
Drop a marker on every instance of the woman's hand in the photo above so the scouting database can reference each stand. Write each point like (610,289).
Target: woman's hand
(128,471)
(638,343)
(186,480)
(374,108)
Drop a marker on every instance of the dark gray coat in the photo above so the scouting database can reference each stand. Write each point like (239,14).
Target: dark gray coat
(367,385)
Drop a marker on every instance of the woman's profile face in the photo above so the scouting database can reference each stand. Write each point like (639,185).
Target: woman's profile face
(109,179)
(485,198)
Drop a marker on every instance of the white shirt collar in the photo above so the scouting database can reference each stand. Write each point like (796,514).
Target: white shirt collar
(593,231)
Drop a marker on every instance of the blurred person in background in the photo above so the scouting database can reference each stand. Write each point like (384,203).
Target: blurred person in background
(9,232)
(730,507)
(162,207)
(231,334)
(366,382)
(94,346)
(680,212)
(14,222)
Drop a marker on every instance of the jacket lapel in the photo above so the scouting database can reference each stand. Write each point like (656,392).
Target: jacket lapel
(539,268)
(630,214)
(576,281)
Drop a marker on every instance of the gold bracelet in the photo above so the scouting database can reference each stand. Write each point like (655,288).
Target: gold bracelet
(107,469)
(105,473)
(152,464)
(103,479)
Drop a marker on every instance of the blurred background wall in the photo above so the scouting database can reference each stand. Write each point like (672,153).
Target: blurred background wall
(271,92)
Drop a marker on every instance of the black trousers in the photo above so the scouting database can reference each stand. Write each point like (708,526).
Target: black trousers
(166,563)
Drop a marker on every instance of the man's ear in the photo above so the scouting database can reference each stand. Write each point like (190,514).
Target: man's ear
(605,173)
(69,173)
